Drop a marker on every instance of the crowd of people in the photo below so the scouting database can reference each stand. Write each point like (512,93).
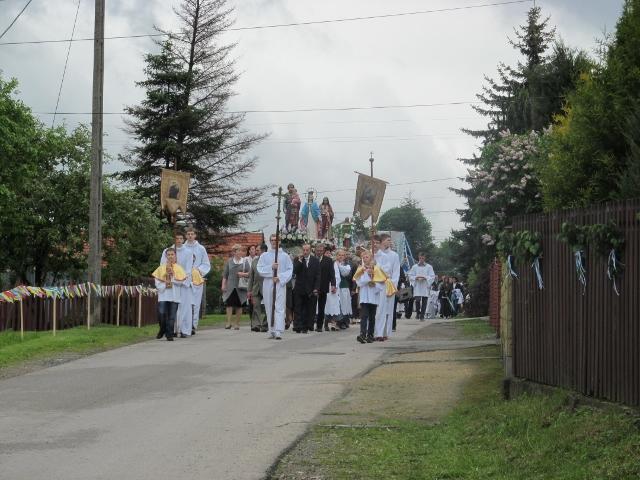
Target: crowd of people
(322,289)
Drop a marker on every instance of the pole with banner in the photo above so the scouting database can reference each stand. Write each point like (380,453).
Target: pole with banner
(369,198)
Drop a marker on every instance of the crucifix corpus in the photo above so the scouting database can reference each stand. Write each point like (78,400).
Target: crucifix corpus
(280,196)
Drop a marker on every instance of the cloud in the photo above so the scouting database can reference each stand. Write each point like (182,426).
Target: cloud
(439,57)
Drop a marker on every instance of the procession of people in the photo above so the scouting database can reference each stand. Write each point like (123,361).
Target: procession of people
(321,289)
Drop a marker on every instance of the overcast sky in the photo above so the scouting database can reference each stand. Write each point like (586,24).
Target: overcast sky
(421,59)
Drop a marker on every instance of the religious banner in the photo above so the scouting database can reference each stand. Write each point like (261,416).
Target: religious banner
(174,187)
(369,196)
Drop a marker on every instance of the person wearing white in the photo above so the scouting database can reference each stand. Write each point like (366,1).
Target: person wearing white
(421,276)
(200,262)
(284,271)
(184,258)
(389,263)
(333,305)
(371,292)
(169,279)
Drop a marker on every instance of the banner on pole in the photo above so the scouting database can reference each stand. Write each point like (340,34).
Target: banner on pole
(174,188)
(369,197)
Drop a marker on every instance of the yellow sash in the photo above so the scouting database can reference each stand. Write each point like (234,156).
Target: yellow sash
(161,273)
(378,276)
(196,277)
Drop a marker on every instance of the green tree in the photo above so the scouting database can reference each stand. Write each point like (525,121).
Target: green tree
(184,122)
(594,154)
(408,218)
(445,258)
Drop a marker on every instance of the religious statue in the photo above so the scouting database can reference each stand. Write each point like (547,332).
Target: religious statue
(326,213)
(345,233)
(291,208)
(310,217)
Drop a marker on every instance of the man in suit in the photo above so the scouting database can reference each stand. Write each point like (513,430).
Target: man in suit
(306,268)
(254,295)
(327,280)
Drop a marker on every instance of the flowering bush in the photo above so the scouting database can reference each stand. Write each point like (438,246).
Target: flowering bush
(504,183)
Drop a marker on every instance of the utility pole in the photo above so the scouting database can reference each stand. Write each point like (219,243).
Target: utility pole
(95,207)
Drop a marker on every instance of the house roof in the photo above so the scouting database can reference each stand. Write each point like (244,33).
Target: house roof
(223,248)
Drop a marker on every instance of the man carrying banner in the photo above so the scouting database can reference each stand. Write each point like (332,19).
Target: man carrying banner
(201,267)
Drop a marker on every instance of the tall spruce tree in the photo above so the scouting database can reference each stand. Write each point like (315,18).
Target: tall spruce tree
(184,122)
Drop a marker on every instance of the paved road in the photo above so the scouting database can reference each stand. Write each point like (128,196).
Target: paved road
(219,406)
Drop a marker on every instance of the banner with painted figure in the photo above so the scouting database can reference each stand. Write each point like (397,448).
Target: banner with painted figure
(369,197)
(174,188)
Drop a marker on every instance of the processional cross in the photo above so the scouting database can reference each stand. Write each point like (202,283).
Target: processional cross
(280,196)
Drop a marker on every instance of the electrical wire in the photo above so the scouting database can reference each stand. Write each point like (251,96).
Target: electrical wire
(66,62)
(286,25)
(15,20)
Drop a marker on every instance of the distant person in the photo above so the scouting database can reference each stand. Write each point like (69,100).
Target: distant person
(389,263)
(184,258)
(254,295)
(305,291)
(372,284)
(201,267)
(422,277)
(235,282)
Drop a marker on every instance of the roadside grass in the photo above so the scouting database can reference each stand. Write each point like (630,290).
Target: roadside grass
(485,437)
(74,342)
(475,328)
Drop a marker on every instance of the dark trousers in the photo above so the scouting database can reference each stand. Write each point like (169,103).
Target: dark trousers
(367,319)
(167,312)
(408,307)
(305,311)
(355,306)
(421,306)
(322,301)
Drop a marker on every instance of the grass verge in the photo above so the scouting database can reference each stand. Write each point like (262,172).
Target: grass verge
(40,347)
(481,437)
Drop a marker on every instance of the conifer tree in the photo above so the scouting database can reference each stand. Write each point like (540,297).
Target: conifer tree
(184,122)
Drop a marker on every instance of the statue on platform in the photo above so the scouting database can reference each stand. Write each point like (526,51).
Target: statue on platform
(291,208)
(326,220)
(310,217)
(344,233)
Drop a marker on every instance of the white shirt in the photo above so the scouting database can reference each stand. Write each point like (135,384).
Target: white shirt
(172,294)
(184,258)
(285,266)
(422,286)
(200,257)
(369,293)
(389,262)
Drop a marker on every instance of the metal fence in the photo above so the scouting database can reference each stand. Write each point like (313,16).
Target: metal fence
(588,342)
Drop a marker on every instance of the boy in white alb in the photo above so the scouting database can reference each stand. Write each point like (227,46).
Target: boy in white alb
(421,276)
(203,266)
(389,263)
(184,258)
(169,279)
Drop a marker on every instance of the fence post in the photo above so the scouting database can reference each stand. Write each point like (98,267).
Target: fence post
(21,319)
(140,310)
(54,315)
(118,309)
(89,308)
(506,323)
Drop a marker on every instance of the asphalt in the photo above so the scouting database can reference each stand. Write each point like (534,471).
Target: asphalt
(222,405)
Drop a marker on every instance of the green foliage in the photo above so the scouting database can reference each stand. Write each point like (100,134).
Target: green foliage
(214,284)
(505,244)
(575,236)
(44,197)
(478,282)
(527,245)
(606,237)
(445,258)
(408,218)
(594,149)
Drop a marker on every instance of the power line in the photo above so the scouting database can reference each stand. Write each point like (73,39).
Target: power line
(292,24)
(66,62)
(298,110)
(395,184)
(15,20)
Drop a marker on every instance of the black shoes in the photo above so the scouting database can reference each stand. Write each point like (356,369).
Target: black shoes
(193,331)
(361,339)
(305,331)
(278,337)
(318,330)
(182,335)
(160,335)
(370,339)
(169,339)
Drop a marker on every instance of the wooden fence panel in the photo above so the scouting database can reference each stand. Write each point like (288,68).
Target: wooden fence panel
(585,341)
